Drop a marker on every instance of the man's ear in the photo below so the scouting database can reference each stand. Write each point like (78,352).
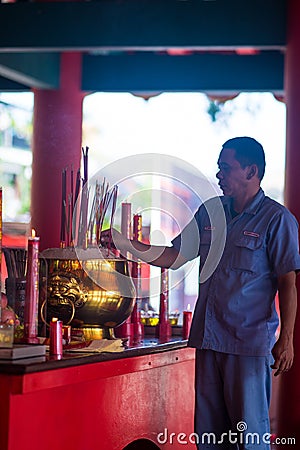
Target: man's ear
(252,171)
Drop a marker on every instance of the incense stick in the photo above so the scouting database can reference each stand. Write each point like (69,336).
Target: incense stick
(80,224)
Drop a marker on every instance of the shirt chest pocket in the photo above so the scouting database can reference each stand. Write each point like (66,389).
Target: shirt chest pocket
(246,254)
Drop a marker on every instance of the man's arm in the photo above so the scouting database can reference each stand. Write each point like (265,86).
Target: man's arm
(283,350)
(156,255)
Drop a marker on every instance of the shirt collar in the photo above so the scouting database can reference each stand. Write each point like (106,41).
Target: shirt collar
(254,205)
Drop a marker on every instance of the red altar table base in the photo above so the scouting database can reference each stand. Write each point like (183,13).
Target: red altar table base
(103,401)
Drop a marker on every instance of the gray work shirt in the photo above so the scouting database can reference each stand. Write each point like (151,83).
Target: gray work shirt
(240,260)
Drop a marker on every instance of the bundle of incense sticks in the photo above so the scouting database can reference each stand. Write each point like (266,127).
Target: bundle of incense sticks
(68,200)
(15,259)
(80,224)
(104,199)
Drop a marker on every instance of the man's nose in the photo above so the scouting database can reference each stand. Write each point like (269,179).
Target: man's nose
(219,175)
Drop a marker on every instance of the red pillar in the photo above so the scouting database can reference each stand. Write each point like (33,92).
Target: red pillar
(57,132)
(289,391)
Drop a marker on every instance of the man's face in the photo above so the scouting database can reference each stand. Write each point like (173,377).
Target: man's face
(232,177)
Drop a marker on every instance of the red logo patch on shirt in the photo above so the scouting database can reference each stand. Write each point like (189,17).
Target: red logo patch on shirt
(251,233)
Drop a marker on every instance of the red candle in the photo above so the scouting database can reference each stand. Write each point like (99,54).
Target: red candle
(138,330)
(126,329)
(126,220)
(56,341)
(187,321)
(164,296)
(136,266)
(164,329)
(32,290)
(66,330)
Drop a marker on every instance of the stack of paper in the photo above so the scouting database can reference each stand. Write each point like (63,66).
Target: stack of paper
(22,351)
(101,345)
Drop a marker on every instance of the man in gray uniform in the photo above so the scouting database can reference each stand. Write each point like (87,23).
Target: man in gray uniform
(235,321)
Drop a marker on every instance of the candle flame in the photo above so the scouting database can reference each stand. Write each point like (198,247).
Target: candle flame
(33,233)
(188,307)
(54,319)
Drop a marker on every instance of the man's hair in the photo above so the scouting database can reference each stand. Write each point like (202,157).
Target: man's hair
(248,151)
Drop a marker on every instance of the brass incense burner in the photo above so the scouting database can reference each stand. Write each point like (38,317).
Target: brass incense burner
(89,289)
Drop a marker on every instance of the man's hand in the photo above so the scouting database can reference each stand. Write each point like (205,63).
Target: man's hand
(283,350)
(106,238)
(112,238)
(283,354)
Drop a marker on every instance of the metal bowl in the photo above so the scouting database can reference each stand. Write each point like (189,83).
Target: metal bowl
(89,289)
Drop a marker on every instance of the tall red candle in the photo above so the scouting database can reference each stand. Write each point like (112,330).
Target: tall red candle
(187,321)
(126,220)
(136,266)
(56,340)
(125,330)
(164,329)
(32,290)
(136,275)
(126,228)
(164,296)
